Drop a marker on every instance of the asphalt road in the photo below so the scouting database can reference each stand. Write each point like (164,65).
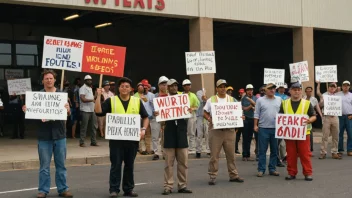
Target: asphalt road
(332,178)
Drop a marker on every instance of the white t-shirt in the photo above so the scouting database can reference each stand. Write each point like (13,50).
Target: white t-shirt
(88,94)
(207,106)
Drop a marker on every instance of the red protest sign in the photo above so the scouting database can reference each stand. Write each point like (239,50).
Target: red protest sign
(172,107)
(103,59)
(290,126)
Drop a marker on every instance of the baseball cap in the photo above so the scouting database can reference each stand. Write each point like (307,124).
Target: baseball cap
(332,84)
(139,84)
(249,86)
(145,82)
(241,91)
(106,83)
(163,79)
(220,82)
(229,88)
(112,83)
(282,86)
(186,82)
(296,85)
(346,82)
(270,85)
(171,82)
(87,77)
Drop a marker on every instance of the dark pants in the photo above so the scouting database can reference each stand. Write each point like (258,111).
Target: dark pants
(18,121)
(247,136)
(122,153)
(238,138)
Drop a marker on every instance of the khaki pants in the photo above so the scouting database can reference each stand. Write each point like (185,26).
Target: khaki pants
(191,131)
(202,130)
(181,156)
(146,141)
(330,127)
(222,139)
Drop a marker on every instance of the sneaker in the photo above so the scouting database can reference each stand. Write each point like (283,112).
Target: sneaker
(274,173)
(260,174)
(166,192)
(130,194)
(212,182)
(308,178)
(184,190)
(322,156)
(113,195)
(156,157)
(198,155)
(340,154)
(41,195)
(65,194)
(290,177)
(237,179)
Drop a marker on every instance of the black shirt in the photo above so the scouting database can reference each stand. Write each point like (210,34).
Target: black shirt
(106,108)
(295,105)
(53,129)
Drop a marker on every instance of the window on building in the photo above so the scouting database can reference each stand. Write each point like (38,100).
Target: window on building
(27,55)
(5,54)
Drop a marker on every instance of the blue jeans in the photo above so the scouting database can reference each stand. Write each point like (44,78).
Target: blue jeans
(345,124)
(266,136)
(45,151)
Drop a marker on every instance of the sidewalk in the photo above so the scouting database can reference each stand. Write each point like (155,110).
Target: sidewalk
(23,154)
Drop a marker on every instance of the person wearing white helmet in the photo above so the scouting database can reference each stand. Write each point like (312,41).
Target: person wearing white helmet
(192,122)
(87,112)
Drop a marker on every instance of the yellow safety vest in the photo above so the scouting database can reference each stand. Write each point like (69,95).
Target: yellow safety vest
(214,99)
(302,109)
(133,105)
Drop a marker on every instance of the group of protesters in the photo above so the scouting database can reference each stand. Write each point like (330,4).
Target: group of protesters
(180,137)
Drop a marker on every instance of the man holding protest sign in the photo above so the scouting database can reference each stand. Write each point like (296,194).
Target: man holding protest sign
(297,148)
(330,124)
(265,112)
(122,150)
(52,140)
(175,147)
(220,138)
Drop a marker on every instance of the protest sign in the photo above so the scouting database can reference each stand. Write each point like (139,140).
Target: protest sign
(62,53)
(227,115)
(172,107)
(19,86)
(299,72)
(200,62)
(123,127)
(332,105)
(291,126)
(276,76)
(14,73)
(326,73)
(104,59)
(46,105)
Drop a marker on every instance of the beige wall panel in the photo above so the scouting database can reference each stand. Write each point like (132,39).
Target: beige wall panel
(328,14)
(180,8)
(278,12)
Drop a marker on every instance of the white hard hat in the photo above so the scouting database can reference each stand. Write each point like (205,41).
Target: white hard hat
(186,82)
(163,79)
(249,86)
(87,77)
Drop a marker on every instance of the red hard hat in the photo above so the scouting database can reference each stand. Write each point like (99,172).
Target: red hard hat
(145,82)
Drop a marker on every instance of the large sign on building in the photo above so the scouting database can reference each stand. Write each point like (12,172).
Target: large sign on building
(157,4)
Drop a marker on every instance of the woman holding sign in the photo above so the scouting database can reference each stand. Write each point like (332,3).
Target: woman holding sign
(298,148)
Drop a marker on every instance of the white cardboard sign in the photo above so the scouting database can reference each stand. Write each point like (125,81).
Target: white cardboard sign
(276,76)
(123,127)
(326,73)
(299,72)
(200,62)
(46,105)
(332,105)
(62,53)
(172,107)
(14,73)
(19,86)
(227,115)
(291,126)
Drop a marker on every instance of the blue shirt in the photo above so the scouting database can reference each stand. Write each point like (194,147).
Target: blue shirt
(266,110)
(282,96)
(245,103)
